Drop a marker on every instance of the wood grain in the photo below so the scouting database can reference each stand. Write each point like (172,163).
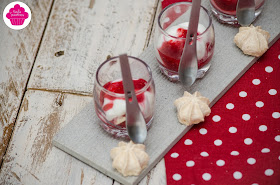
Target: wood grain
(31,159)
(88,36)
(18,50)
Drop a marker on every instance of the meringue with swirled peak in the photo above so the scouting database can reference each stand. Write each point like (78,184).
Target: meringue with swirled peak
(129,158)
(252,40)
(191,109)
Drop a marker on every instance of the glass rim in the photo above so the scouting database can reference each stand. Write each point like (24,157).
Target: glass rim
(147,85)
(171,5)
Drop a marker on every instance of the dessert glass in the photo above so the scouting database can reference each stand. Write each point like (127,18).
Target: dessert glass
(225,10)
(170,36)
(109,98)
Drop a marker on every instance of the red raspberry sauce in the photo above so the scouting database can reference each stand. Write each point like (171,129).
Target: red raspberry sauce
(171,51)
(117,87)
(226,6)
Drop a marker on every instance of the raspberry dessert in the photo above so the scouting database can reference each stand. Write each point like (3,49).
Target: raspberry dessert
(170,48)
(229,6)
(114,105)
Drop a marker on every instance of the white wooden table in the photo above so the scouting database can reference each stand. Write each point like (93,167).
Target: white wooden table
(41,92)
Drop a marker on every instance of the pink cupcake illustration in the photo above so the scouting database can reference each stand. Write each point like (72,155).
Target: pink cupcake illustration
(17,15)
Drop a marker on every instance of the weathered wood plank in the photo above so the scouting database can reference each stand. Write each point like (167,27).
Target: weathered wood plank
(17,53)
(31,158)
(155,23)
(156,176)
(14,172)
(87,36)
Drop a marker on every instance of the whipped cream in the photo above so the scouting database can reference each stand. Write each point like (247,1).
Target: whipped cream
(116,114)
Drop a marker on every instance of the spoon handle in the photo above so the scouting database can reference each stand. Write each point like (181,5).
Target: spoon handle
(188,63)
(135,123)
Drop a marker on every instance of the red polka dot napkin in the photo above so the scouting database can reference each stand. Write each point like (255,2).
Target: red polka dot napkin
(239,143)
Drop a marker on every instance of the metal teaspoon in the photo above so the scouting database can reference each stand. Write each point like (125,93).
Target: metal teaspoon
(188,62)
(135,123)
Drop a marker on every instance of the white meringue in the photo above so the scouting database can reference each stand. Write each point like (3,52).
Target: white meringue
(129,158)
(191,109)
(252,40)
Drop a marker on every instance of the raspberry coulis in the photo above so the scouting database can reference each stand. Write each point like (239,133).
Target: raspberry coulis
(229,6)
(117,87)
(171,51)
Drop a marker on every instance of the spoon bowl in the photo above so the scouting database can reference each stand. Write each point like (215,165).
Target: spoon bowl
(245,12)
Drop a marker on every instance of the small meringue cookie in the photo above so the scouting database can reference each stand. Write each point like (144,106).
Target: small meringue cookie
(191,109)
(129,158)
(252,40)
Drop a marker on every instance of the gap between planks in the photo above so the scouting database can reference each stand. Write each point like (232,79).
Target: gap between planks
(78,93)
(25,88)
(152,24)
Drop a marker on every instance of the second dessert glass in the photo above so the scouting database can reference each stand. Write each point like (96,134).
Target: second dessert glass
(170,36)
(109,98)
(225,10)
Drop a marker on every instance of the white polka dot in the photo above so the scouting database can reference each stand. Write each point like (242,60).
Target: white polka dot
(216,118)
(265,150)
(277,138)
(256,82)
(174,155)
(246,117)
(188,142)
(268,172)
(206,176)
(263,128)
(220,163)
(235,153)
(237,175)
(272,92)
(242,94)
(279,157)
(218,142)
(177,177)
(166,20)
(278,56)
(255,184)
(259,104)
(248,141)
(190,163)
(268,69)
(232,130)
(204,154)
(202,131)
(251,161)
(276,115)
(229,106)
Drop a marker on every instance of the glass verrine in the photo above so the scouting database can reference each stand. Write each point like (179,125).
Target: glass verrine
(170,36)
(225,10)
(109,98)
